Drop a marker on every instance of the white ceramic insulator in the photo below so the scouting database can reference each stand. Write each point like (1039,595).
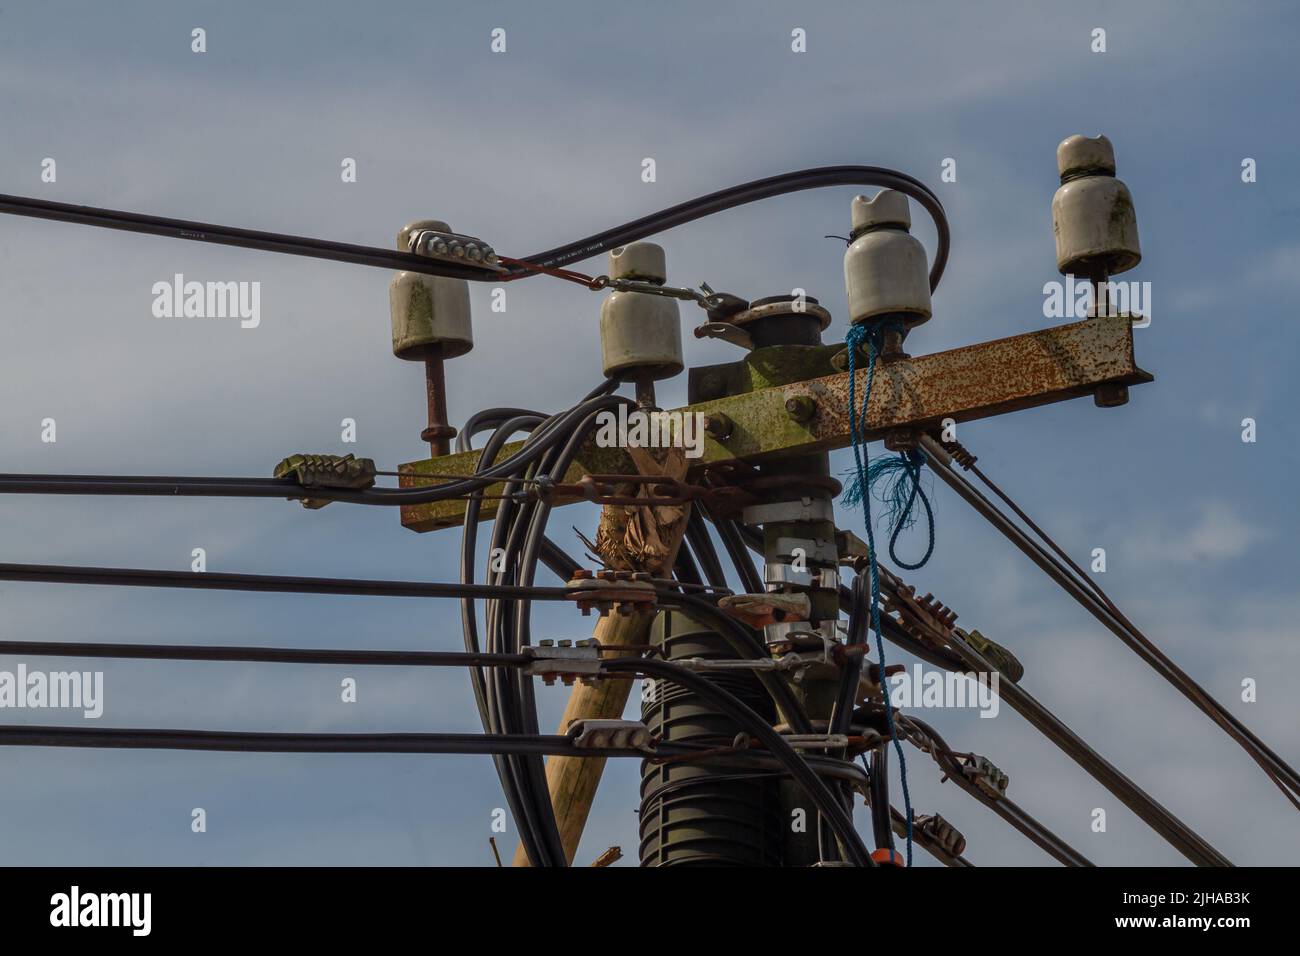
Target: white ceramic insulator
(431,314)
(1092,212)
(640,333)
(885,268)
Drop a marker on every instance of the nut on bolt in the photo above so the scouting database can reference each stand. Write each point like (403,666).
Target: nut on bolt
(801,408)
(902,439)
(1110,395)
(718,426)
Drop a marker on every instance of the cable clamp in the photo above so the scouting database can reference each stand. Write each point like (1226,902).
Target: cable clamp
(949,838)
(624,592)
(984,774)
(327,471)
(566,660)
(454,247)
(605,489)
(600,734)
(760,610)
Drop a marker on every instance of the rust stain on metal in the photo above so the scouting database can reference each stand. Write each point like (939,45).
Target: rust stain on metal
(964,384)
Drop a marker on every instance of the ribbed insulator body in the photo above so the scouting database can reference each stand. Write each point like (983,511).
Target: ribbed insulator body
(697,814)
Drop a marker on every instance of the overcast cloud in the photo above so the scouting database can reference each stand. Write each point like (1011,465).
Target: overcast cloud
(542,144)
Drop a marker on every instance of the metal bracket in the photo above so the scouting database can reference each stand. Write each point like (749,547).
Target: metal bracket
(801,632)
(778,575)
(805,509)
(964,384)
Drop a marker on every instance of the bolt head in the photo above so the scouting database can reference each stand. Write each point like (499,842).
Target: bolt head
(1110,395)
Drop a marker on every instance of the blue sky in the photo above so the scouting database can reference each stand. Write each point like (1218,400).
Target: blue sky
(542,144)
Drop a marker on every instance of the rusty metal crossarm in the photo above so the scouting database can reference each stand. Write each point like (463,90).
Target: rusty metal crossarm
(963,384)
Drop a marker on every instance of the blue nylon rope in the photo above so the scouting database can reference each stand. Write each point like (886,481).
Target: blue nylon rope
(854,339)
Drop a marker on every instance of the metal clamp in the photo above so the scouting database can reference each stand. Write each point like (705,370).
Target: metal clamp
(603,490)
(984,774)
(704,297)
(776,575)
(566,660)
(599,734)
(623,592)
(949,838)
(760,610)
(453,247)
(817,550)
(801,632)
(327,471)
(803,509)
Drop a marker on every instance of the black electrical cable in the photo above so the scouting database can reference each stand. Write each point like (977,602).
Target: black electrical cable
(962,657)
(1146,808)
(242,238)
(261,742)
(846,695)
(261,655)
(271,583)
(469,539)
(685,570)
(746,645)
(557,560)
(535,514)
(701,545)
(551,259)
(190,486)
(728,531)
(754,191)
(926,738)
(507,709)
(519,535)
(881,825)
(1090,596)
(1175,832)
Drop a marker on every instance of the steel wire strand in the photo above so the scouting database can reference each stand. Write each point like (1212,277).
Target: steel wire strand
(1277,770)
